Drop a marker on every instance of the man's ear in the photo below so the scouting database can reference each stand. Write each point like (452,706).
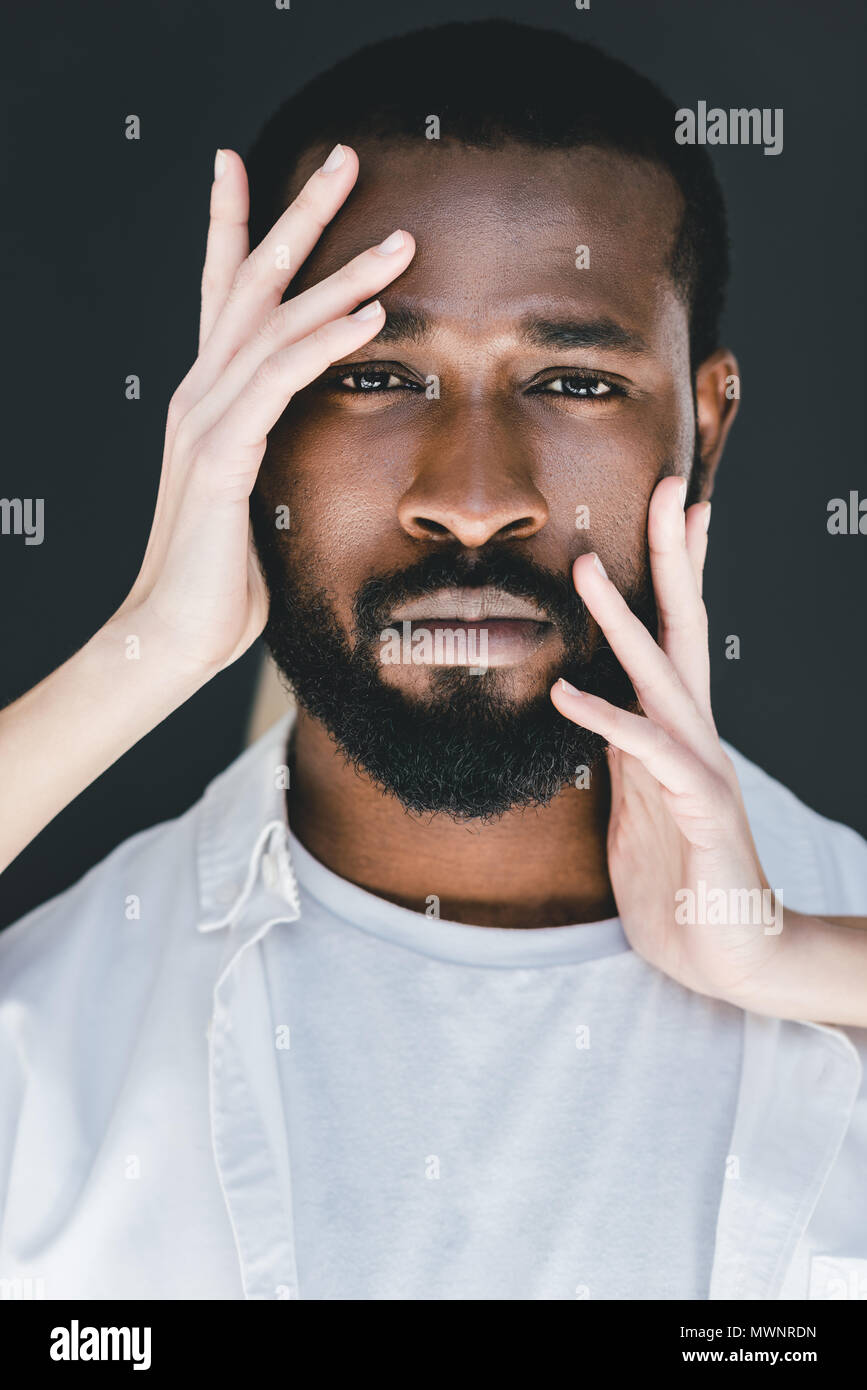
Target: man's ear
(717,393)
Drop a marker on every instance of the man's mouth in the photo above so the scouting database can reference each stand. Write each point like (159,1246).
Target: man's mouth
(469,606)
(506,628)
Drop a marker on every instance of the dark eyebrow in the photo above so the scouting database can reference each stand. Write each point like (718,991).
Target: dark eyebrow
(569,333)
(405,324)
(402,325)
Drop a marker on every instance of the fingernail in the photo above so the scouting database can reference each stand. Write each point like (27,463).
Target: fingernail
(219,164)
(334,160)
(706,515)
(390,245)
(599,565)
(369,311)
(681,492)
(569,689)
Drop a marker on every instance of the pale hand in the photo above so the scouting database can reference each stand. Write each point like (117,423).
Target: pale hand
(200,599)
(200,595)
(679,842)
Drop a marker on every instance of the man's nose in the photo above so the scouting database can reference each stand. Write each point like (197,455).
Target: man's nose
(473,483)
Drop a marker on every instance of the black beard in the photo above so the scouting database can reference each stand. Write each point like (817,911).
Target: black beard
(465,750)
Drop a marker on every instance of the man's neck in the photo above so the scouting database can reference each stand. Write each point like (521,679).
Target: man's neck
(542,867)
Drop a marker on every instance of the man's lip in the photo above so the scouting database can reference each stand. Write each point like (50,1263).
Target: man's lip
(469,606)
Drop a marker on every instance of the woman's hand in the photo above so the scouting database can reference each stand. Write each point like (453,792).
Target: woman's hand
(689,887)
(200,595)
(199,600)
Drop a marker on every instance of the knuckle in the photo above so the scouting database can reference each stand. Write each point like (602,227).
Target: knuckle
(618,726)
(661,547)
(353,273)
(660,740)
(724,803)
(671,618)
(322,339)
(178,406)
(726,774)
(184,440)
(204,460)
(205,451)
(211,284)
(307,203)
(719,787)
(727,765)
(245,275)
(269,370)
(675,624)
(273,327)
(687,615)
(303,201)
(651,691)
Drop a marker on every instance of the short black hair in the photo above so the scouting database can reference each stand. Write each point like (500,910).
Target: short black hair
(494,81)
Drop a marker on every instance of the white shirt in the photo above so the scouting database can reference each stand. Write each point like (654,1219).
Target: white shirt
(477,1113)
(144,1145)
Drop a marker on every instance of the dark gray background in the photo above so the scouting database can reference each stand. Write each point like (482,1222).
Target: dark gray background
(103,242)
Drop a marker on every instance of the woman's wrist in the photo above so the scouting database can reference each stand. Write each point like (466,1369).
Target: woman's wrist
(135,648)
(816,972)
(106,697)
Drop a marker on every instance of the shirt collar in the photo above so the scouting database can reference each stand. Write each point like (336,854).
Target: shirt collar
(244,831)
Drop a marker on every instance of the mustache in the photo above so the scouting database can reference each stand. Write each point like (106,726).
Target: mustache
(496,567)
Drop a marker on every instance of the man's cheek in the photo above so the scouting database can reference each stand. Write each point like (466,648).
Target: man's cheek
(610,521)
(305,512)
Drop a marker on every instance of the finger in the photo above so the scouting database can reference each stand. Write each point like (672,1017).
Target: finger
(673,765)
(664,697)
(682,631)
(228,456)
(361,278)
(697,523)
(262,277)
(228,240)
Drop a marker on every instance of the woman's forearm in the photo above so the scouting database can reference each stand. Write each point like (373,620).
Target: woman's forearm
(817,973)
(65,732)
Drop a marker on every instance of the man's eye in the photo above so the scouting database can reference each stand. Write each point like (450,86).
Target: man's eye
(582,387)
(370,380)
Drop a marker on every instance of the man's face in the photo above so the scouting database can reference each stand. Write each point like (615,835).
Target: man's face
(517,410)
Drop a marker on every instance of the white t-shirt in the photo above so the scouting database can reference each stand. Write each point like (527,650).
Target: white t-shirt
(486,1113)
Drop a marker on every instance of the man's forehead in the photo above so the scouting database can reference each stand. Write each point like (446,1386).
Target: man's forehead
(511,231)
